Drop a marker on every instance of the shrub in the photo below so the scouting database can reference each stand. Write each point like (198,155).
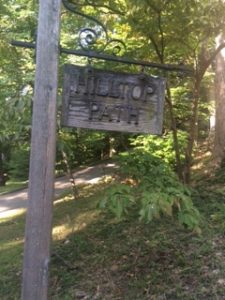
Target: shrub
(162,147)
(19,162)
(149,187)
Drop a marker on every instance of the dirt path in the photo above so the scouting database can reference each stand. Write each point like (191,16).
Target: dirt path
(16,202)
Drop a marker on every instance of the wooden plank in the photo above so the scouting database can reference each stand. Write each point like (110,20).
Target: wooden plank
(103,100)
(42,160)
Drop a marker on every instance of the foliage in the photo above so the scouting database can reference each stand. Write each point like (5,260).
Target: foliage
(81,146)
(121,199)
(18,20)
(152,188)
(181,97)
(161,147)
(168,32)
(180,32)
(19,162)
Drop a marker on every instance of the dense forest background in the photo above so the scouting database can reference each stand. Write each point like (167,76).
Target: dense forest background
(154,227)
(168,32)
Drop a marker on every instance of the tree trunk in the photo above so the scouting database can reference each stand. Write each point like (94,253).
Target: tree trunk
(203,63)
(192,131)
(69,172)
(2,175)
(175,137)
(219,141)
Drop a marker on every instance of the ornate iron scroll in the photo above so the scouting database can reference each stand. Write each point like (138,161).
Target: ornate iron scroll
(89,38)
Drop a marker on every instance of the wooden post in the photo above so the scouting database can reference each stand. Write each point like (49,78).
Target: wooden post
(42,161)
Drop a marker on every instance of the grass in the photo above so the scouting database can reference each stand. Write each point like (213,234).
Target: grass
(13,185)
(96,257)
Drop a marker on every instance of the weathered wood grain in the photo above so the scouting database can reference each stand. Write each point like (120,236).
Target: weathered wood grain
(103,100)
(41,177)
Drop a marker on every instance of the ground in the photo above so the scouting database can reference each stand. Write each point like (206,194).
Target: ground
(16,202)
(96,257)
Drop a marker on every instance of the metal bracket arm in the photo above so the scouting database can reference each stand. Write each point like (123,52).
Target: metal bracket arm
(124,60)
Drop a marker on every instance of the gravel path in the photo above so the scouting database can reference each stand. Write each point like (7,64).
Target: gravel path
(16,202)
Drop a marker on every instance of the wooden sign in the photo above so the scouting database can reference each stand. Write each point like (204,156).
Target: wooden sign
(113,101)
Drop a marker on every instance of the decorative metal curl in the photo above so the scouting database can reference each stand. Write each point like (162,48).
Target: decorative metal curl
(90,37)
(118,47)
(95,38)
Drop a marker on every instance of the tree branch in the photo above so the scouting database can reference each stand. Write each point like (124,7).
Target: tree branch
(153,7)
(213,56)
(159,54)
(210,60)
(162,36)
(111,10)
(91,3)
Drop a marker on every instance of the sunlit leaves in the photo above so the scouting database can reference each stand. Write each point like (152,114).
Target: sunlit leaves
(151,190)
(118,200)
